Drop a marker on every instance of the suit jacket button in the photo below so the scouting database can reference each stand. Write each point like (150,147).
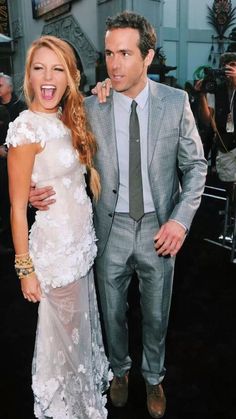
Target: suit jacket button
(114,191)
(110,215)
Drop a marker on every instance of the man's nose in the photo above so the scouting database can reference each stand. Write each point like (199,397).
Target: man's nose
(115,62)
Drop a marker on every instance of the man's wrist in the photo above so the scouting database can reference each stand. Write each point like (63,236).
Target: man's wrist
(202,94)
(181,224)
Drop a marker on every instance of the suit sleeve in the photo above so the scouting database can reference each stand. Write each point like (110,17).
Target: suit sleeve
(192,166)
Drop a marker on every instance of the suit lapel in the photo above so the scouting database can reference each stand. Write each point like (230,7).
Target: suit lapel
(156,114)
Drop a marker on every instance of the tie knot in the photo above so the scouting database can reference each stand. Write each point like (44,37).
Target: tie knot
(133,106)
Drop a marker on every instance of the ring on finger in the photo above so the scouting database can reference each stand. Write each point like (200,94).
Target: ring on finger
(104,85)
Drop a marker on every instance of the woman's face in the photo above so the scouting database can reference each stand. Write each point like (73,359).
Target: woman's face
(48,80)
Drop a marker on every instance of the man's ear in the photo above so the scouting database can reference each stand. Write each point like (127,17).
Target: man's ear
(149,57)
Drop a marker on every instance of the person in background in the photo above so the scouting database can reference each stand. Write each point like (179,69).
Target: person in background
(4,122)
(8,98)
(205,130)
(5,237)
(146,134)
(49,144)
(218,110)
(11,107)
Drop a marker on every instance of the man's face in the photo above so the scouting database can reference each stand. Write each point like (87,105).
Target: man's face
(230,72)
(126,67)
(5,89)
(231,64)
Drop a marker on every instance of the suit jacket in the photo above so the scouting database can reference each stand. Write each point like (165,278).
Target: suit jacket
(174,150)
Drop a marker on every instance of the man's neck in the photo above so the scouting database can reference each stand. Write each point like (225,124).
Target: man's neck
(135,92)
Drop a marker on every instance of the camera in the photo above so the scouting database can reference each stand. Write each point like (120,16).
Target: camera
(213,77)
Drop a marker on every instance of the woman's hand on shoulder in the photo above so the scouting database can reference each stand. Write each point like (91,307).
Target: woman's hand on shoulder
(102,90)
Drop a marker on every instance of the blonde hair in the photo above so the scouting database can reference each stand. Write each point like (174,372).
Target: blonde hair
(73,112)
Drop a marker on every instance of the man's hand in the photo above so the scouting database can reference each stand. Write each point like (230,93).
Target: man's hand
(198,86)
(230,71)
(102,90)
(3,151)
(40,197)
(169,238)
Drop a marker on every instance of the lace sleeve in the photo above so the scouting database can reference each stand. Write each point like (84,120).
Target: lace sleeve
(22,131)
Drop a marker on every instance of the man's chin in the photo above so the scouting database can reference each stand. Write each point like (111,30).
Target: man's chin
(118,88)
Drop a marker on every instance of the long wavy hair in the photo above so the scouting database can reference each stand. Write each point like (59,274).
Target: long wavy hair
(73,112)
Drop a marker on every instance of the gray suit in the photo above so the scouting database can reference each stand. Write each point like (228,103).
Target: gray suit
(173,142)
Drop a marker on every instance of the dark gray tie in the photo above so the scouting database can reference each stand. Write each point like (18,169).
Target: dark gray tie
(136,208)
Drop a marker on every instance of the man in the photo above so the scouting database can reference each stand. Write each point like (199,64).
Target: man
(219,110)
(4,196)
(8,97)
(11,106)
(163,125)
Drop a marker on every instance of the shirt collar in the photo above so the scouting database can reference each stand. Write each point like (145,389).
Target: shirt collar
(126,101)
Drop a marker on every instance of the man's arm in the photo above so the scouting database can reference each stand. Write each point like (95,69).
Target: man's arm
(205,112)
(40,198)
(193,166)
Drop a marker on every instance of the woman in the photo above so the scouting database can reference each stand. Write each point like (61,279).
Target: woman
(52,144)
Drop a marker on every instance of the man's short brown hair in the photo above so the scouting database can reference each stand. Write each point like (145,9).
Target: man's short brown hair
(133,20)
(227,57)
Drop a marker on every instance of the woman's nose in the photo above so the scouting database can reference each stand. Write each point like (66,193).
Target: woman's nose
(48,74)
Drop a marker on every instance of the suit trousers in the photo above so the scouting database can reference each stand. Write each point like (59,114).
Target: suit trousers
(130,248)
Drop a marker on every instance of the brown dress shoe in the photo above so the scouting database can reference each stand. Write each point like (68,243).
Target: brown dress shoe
(119,390)
(156,401)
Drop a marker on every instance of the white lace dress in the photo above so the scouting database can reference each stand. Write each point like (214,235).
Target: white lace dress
(70,370)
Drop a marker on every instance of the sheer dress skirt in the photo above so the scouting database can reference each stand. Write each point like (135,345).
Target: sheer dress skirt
(70,369)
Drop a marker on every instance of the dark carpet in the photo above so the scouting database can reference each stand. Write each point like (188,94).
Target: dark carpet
(201,340)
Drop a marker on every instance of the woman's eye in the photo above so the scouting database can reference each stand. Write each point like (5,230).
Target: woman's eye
(37,67)
(59,69)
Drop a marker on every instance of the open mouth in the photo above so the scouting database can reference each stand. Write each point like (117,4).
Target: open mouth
(48,91)
(117,77)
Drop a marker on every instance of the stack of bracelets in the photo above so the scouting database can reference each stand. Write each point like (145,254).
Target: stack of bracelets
(23,265)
